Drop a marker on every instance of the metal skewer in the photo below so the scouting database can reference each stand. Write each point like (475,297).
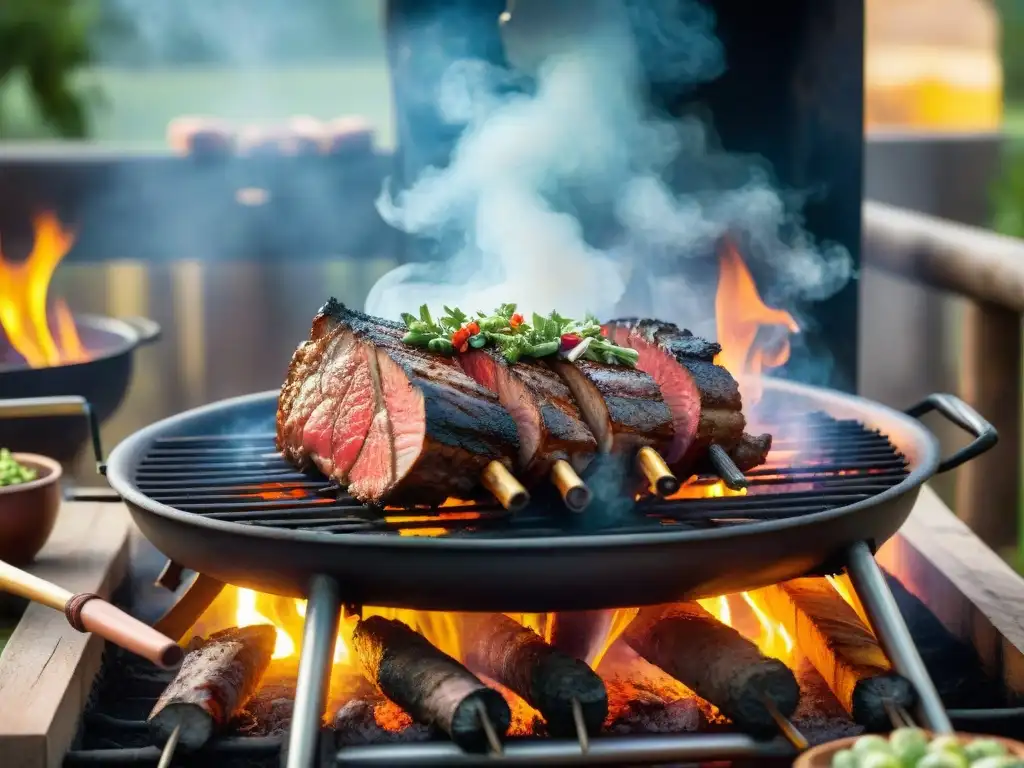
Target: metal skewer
(492,735)
(581,726)
(657,472)
(168,752)
(789,730)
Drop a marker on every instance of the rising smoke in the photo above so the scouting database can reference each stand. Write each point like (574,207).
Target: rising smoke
(588,133)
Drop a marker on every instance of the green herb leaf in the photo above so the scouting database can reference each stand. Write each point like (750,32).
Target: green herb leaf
(441,346)
(409,319)
(418,339)
(425,314)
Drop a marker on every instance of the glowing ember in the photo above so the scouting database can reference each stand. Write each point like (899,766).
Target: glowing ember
(740,315)
(24,312)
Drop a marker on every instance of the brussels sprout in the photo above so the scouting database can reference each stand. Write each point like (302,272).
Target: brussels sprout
(980,748)
(909,745)
(844,758)
(866,744)
(943,758)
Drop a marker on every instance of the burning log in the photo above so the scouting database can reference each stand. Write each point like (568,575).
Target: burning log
(577,633)
(215,682)
(717,663)
(842,648)
(430,685)
(547,679)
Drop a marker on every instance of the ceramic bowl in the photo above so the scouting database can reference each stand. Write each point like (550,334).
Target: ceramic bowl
(821,756)
(28,511)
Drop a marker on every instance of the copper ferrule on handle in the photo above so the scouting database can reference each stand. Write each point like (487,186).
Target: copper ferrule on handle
(573,490)
(503,485)
(114,625)
(657,472)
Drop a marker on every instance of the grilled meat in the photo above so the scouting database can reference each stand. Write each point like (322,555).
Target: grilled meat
(550,425)
(394,423)
(704,397)
(623,406)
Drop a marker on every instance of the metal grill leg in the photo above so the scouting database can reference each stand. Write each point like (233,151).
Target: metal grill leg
(318,637)
(893,635)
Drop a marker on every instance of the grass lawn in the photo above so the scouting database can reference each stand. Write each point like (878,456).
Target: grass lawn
(138,104)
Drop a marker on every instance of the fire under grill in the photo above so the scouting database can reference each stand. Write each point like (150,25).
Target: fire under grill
(210,491)
(820,464)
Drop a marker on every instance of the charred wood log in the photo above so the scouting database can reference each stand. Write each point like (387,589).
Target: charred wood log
(215,682)
(575,633)
(717,663)
(547,679)
(842,648)
(431,686)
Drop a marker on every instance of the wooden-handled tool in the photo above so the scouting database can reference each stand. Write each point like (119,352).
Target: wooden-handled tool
(575,493)
(509,492)
(90,613)
(657,472)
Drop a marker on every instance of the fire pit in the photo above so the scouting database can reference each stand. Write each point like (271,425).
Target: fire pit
(209,490)
(46,352)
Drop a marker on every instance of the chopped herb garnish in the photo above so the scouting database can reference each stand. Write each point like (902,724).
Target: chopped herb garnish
(509,332)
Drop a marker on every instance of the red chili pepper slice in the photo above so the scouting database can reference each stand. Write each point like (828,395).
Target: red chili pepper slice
(570,340)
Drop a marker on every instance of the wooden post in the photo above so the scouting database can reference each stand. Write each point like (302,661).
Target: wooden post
(988,488)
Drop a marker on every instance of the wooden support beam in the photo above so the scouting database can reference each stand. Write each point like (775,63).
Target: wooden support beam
(988,488)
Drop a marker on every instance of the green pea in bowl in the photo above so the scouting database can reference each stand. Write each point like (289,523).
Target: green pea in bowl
(30,498)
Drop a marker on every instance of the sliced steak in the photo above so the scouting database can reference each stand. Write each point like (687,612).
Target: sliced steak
(704,397)
(550,425)
(623,406)
(395,423)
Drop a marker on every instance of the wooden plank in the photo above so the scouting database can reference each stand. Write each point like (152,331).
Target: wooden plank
(47,668)
(968,587)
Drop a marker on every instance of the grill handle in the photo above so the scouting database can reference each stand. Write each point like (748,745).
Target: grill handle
(965,417)
(64,405)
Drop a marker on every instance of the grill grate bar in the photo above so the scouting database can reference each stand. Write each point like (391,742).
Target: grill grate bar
(241,479)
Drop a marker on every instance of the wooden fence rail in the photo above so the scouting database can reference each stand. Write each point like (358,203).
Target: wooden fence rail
(988,270)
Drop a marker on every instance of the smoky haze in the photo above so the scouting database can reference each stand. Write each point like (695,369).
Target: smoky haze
(587,138)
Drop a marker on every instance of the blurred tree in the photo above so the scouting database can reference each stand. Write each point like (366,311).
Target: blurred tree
(44,43)
(1012,15)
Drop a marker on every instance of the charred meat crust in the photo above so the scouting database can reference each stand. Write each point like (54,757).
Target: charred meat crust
(547,679)
(462,427)
(550,424)
(460,413)
(721,414)
(716,662)
(636,413)
(427,683)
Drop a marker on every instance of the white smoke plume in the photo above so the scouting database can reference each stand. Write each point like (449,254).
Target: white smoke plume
(587,130)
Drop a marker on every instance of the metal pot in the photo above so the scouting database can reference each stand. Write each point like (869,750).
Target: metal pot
(57,430)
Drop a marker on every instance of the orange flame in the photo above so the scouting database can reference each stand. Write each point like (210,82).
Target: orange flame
(740,314)
(772,637)
(24,288)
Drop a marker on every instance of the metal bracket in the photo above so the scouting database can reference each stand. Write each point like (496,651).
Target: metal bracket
(65,405)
